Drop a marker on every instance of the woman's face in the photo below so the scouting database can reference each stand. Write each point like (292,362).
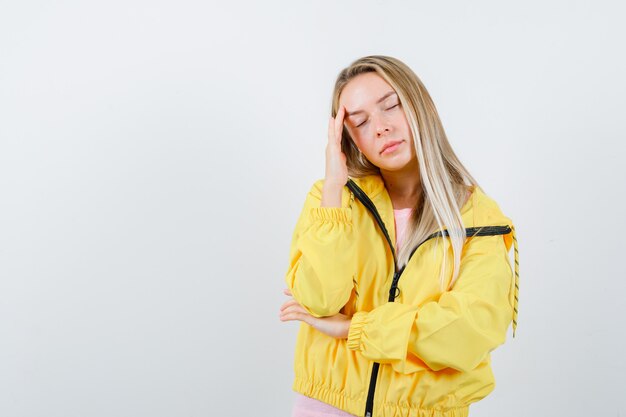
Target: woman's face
(376,122)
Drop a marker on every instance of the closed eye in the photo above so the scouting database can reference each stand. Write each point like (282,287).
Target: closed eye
(395,105)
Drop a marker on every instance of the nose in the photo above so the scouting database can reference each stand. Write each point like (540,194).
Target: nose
(381,129)
(382,125)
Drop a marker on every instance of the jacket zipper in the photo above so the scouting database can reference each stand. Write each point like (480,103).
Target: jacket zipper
(365,200)
(393,290)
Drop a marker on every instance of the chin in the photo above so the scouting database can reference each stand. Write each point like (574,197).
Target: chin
(398,163)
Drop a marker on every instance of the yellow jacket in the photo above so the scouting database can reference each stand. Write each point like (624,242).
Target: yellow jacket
(426,353)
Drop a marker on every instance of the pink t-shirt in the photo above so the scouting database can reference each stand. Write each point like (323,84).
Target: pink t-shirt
(401,217)
(309,407)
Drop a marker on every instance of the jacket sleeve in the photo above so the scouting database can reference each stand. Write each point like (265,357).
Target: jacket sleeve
(322,258)
(457,331)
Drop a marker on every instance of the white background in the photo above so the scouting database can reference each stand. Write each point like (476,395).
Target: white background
(154,157)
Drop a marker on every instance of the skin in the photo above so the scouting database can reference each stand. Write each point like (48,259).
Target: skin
(371,124)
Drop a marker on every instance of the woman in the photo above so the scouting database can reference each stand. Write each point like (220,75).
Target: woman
(399,268)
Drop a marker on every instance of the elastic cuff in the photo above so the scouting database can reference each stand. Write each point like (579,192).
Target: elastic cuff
(356,329)
(336,214)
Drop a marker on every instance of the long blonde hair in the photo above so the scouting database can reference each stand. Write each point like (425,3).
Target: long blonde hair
(444,180)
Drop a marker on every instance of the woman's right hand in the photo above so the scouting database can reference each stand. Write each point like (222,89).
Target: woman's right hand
(336,167)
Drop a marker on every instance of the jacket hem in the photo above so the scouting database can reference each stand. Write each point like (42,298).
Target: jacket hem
(338,399)
(356,405)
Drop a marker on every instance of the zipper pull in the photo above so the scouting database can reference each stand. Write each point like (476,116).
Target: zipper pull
(394,291)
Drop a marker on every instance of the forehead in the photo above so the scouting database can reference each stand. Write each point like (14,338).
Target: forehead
(363,90)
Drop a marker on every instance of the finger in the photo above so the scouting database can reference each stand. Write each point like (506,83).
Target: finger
(292,317)
(296,314)
(305,318)
(294,308)
(289,312)
(287,304)
(331,129)
(339,125)
(286,291)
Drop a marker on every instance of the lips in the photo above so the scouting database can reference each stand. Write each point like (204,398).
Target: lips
(391,144)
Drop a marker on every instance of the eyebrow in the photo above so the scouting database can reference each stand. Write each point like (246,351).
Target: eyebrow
(348,114)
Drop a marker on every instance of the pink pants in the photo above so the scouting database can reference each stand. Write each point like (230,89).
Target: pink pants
(304,406)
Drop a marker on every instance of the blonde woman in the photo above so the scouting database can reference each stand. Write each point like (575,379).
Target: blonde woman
(399,264)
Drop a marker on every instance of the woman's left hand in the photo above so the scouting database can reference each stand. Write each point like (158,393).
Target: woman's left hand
(335,326)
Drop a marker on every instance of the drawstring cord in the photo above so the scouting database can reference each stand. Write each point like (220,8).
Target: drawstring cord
(515,300)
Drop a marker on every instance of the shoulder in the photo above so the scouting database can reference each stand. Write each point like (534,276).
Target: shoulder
(316,189)
(314,196)
(372,185)
(485,210)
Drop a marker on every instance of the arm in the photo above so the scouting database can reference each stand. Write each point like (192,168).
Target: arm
(322,261)
(458,331)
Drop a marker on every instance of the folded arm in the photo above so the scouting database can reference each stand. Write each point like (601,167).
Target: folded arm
(457,331)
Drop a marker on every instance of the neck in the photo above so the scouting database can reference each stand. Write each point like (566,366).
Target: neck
(403,186)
